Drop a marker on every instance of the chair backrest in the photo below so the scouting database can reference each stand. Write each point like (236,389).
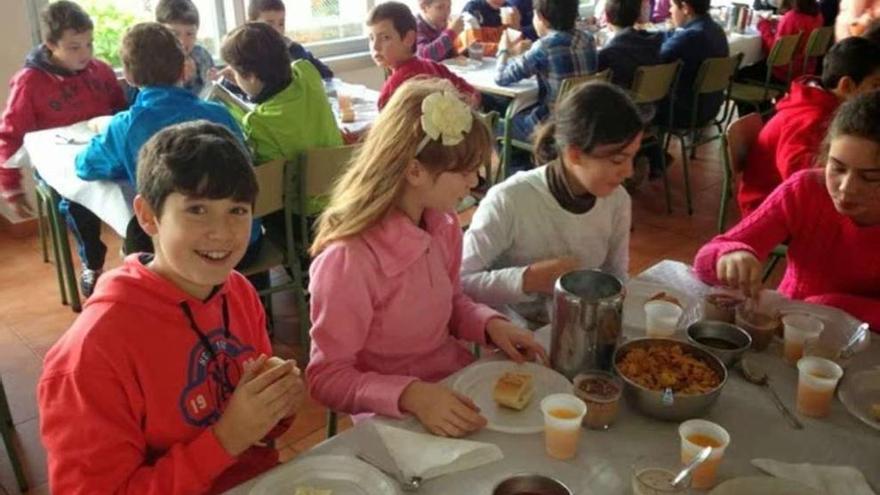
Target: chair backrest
(320,167)
(652,83)
(715,74)
(570,83)
(741,135)
(818,44)
(270,178)
(783,50)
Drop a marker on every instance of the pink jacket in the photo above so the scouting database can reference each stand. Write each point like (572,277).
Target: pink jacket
(388,309)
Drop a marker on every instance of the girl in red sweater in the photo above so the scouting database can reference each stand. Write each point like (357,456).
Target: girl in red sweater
(830,217)
(803,18)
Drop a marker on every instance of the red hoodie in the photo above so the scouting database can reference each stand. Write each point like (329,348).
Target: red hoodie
(43,95)
(788,142)
(128,394)
(791,23)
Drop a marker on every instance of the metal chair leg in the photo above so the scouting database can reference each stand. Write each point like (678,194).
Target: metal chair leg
(66,259)
(332,423)
(55,239)
(6,428)
(41,226)
(664,140)
(687,176)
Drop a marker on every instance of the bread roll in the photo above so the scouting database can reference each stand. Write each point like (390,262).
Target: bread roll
(513,390)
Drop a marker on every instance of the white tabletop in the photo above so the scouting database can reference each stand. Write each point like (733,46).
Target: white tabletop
(482,77)
(604,462)
(53,158)
(749,44)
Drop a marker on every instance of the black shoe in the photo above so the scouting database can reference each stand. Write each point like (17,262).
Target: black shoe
(87,281)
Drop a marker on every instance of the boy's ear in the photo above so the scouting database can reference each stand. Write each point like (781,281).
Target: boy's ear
(410,40)
(147,218)
(846,87)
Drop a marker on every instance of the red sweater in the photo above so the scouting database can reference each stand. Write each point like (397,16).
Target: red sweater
(419,66)
(790,23)
(42,96)
(788,142)
(129,393)
(831,260)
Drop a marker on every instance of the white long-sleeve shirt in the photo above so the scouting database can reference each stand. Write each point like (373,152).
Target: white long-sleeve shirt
(519,222)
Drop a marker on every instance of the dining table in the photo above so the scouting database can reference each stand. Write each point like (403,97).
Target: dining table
(605,459)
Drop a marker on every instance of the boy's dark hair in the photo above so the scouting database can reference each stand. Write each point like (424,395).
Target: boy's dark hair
(700,7)
(256,7)
(859,117)
(177,12)
(873,32)
(151,55)
(255,48)
(198,159)
(399,14)
(623,13)
(808,7)
(855,57)
(60,16)
(560,14)
(594,114)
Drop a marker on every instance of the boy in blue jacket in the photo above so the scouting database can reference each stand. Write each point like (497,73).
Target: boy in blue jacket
(153,61)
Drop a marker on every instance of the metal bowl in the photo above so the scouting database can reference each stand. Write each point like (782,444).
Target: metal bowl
(532,484)
(667,405)
(726,341)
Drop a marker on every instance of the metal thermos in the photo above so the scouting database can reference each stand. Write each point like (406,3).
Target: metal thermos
(587,321)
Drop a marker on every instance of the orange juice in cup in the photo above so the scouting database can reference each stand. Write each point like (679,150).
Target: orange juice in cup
(799,327)
(697,434)
(817,379)
(563,414)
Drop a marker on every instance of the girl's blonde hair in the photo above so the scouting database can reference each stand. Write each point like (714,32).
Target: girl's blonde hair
(374,181)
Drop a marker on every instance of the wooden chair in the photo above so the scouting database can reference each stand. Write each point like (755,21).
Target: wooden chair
(817,44)
(7,428)
(757,94)
(715,75)
(652,84)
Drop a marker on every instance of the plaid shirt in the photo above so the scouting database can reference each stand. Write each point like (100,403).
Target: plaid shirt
(557,56)
(432,43)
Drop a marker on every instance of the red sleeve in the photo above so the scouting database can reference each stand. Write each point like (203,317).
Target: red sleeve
(863,308)
(18,119)
(388,89)
(106,452)
(758,233)
(767,28)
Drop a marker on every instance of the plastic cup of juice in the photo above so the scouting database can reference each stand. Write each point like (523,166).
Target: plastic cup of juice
(798,328)
(563,414)
(817,379)
(661,318)
(695,435)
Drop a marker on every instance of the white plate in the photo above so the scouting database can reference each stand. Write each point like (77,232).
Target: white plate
(478,381)
(858,391)
(638,293)
(343,475)
(763,485)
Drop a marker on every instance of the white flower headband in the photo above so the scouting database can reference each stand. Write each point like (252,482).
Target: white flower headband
(445,116)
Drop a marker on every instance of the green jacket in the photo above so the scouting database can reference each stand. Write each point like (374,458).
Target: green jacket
(294,120)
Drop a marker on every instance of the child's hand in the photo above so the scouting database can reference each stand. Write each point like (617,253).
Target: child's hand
(515,20)
(442,411)
(740,270)
(299,390)
(540,276)
(518,344)
(189,69)
(455,24)
(260,400)
(522,46)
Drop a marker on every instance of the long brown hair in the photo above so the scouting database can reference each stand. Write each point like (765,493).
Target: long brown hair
(375,179)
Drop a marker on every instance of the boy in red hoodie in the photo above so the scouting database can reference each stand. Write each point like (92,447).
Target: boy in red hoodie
(790,140)
(60,84)
(163,385)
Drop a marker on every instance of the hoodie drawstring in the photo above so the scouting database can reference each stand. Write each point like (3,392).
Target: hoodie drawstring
(195,328)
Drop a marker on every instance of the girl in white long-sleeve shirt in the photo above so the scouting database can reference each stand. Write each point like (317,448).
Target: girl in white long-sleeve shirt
(570,213)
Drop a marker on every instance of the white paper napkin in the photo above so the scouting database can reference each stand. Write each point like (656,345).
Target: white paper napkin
(429,456)
(833,480)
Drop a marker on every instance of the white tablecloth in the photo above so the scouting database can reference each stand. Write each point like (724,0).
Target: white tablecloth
(482,77)
(54,160)
(605,459)
(749,45)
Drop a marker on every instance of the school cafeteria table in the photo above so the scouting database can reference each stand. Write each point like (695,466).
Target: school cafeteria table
(604,462)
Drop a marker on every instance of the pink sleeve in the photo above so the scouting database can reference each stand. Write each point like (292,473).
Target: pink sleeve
(469,319)
(342,312)
(863,308)
(106,452)
(758,233)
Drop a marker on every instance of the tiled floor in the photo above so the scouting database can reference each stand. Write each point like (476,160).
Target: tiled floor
(32,318)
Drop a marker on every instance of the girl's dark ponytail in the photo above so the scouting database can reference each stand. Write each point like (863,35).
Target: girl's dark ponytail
(545,142)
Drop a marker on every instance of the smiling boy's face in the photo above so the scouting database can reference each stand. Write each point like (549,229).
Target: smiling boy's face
(197,241)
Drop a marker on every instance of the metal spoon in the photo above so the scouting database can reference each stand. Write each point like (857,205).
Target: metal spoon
(698,459)
(409,485)
(856,338)
(754,374)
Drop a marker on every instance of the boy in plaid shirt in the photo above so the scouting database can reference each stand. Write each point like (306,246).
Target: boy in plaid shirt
(562,52)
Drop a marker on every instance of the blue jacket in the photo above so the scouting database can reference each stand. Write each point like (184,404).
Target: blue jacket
(299,52)
(628,50)
(696,41)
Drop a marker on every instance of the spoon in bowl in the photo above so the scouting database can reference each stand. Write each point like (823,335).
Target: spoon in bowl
(754,374)
(698,459)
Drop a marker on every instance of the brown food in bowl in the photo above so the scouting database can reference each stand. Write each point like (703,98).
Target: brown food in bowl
(601,392)
(661,366)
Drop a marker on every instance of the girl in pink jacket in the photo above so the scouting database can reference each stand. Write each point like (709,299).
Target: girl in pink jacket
(389,318)
(830,217)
